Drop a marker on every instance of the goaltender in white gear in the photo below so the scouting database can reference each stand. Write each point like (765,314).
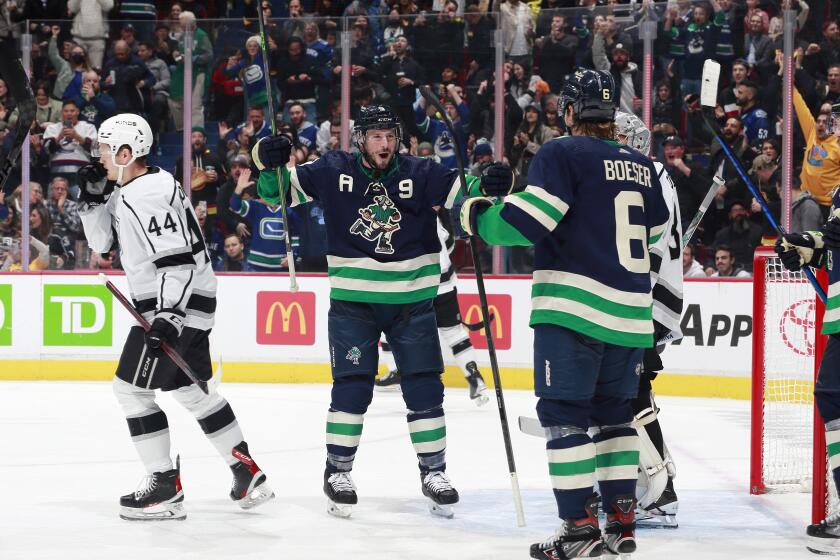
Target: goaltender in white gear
(656,468)
(145,212)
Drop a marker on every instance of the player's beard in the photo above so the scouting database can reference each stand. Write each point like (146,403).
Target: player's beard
(380,160)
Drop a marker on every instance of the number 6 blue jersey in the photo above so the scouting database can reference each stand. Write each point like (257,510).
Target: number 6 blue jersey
(591,209)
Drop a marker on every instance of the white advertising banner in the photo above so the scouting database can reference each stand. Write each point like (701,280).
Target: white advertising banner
(73,317)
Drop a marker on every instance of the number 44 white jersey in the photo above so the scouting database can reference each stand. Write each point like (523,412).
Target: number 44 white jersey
(162,249)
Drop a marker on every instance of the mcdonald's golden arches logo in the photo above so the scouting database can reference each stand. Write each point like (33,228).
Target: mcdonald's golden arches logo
(285,318)
(499,306)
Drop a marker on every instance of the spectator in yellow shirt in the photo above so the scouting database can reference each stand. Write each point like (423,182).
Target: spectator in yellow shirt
(821,164)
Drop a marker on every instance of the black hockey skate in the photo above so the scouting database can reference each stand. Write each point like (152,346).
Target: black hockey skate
(249,488)
(388,382)
(576,538)
(438,488)
(340,492)
(824,537)
(478,389)
(158,498)
(662,513)
(620,532)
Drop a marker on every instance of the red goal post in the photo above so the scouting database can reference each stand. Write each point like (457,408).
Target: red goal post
(787,447)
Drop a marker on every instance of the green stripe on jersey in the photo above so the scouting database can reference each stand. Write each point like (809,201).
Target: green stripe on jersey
(590,307)
(495,230)
(382,276)
(367,280)
(592,300)
(588,328)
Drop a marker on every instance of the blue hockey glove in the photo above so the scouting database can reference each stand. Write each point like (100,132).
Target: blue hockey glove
(800,249)
(271,152)
(166,327)
(496,179)
(831,231)
(94,187)
(470,210)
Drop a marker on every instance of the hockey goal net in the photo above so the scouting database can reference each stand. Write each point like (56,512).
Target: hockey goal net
(788,439)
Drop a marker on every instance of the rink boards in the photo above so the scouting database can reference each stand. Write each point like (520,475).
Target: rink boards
(67,327)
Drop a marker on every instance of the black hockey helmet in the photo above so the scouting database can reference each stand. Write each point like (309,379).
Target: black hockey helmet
(591,93)
(375,117)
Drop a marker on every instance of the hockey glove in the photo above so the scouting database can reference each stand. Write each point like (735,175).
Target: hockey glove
(94,187)
(831,231)
(470,211)
(166,327)
(496,179)
(799,249)
(271,152)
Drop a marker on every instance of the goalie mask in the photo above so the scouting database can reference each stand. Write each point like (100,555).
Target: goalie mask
(125,130)
(631,131)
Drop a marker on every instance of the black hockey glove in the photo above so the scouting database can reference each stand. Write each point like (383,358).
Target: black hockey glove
(470,210)
(94,187)
(166,327)
(271,152)
(831,231)
(496,179)
(799,249)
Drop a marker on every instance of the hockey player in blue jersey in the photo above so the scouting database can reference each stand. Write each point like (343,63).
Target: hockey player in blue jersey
(384,270)
(821,249)
(591,209)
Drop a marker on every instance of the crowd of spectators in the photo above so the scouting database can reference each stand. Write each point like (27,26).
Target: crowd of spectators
(92,59)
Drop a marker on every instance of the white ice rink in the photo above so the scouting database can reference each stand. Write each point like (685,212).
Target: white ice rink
(66,458)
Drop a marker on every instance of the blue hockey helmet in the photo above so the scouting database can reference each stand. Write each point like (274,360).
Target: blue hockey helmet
(591,93)
(375,117)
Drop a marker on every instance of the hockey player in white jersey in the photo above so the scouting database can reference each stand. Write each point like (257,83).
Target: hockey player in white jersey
(144,210)
(657,500)
(450,327)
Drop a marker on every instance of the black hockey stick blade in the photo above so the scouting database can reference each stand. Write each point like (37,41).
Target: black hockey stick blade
(167,349)
(12,72)
(480,325)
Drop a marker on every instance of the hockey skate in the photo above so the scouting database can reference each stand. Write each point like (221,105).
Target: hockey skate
(478,389)
(340,492)
(438,488)
(662,513)
(388,382)
(576,538)
(158,498)
(824,537)
(620,532)
(249,488)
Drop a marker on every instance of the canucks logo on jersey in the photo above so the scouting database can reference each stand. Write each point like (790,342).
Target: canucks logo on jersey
(379,220)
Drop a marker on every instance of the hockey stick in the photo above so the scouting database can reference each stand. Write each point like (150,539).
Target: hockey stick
(485,314)
(290,258)
(167,349)
(12,72)
(708,99)
(717,183)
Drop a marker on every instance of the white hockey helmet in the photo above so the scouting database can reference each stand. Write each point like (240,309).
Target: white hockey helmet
(631,131)
(126,129)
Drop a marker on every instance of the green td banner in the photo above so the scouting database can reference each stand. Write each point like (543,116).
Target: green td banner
(5,314)
(77,315)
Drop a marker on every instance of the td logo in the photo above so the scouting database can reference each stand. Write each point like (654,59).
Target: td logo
(77,315)
(5,315)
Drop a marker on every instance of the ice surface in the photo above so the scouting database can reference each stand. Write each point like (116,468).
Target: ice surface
(66,458)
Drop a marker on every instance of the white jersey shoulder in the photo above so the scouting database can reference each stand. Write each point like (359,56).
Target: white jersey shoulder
(666,273)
